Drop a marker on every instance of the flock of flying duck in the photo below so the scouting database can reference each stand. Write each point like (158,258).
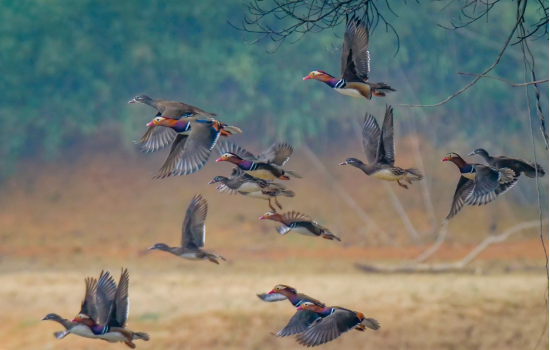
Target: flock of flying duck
(194,133)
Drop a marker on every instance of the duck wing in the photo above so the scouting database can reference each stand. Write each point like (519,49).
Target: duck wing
(228,147)
(271,297)
(177,110)
(293,216)
(106,291)
(519,165)
(120,309)
(386,146)
(324,330)
(355,61)
(89,307)
(155,138)
(462,192)
(299,323)
(277,154)
(190,154)
(193,230)
(371,139)
(488,179)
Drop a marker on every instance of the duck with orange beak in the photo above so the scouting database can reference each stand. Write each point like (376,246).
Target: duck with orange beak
(299,223)
(478,184)
(355,65)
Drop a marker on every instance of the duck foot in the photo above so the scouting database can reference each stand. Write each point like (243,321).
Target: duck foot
(278,204)
(271,207)
(400,184)
(214,261)
(405,178)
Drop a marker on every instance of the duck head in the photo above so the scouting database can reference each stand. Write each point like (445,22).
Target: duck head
(52,317)
(455,158)
(479,151)
(310,306)
(140,99)
(352,161)
(318,75)
(218,179)
(271,216)
(230,157)
(283,289)
(161,121)
(160,246)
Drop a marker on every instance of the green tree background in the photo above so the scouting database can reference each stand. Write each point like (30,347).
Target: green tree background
(68,69)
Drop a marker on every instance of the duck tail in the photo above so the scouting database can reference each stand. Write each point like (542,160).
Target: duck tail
(141,335)
(326,234)
(371,323)
(414,174)
(293,174)
(227,130)
(287,193)
(380,89)
(534,170)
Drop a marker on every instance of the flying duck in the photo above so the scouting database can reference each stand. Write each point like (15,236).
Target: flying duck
(300,223)
(355,65)
(193,234)
(332,323)
(250,186)
(530,169)
(117,301)
(478,184)
(192,145)
(155,137)
(302,319)
(379,147)
(267,166)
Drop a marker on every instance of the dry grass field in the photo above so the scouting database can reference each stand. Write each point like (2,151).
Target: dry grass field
(86,213)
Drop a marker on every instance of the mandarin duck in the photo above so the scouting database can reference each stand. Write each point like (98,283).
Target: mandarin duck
(267,165)
(300,223)
(379,147)
(302,319)
(192,145)
(156,138)
(193,234)
(87,309)
(117,301)
(530,169)
(332,323)
(241,182)
(355,65)
(478,184)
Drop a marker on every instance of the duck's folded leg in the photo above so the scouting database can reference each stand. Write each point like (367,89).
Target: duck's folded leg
(400,184)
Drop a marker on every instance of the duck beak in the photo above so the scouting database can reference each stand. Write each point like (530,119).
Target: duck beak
(472,153)
(219,159)
(299,308)
(150,123)
(263,218)
(132,101)
(307,78)
(272,291)
(444,159)
(212,182)
(344,163)
(152,248)
(43,319)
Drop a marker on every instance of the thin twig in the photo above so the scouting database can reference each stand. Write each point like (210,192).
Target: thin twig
(506,81)
(519,19)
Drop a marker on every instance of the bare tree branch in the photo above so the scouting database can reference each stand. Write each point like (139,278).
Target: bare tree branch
(457,266)
(506,81)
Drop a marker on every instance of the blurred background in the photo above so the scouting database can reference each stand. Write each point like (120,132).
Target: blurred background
(77,195)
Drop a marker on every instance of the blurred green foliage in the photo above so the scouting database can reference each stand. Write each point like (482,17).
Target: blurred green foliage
(69,68)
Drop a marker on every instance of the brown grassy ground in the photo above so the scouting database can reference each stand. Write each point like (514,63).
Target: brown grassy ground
(62,222)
